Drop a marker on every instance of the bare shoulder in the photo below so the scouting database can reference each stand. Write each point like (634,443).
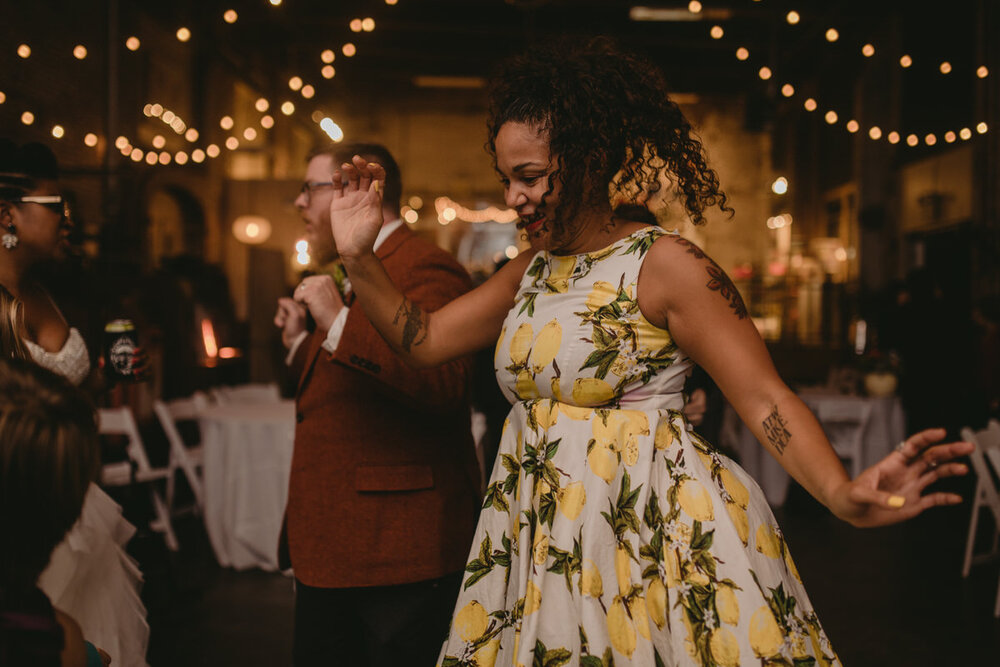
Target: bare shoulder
(683,270)
(512,272)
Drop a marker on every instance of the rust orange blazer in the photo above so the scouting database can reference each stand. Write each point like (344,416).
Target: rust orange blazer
(385,486)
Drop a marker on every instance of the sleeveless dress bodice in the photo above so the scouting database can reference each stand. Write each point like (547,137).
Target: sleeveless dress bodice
(610,531)
(72,361)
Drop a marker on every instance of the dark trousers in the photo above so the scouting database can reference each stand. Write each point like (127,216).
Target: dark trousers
(373,626)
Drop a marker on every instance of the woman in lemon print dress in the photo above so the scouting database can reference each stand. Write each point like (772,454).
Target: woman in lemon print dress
(610,532)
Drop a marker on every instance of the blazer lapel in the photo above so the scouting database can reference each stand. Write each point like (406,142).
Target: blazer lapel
(315,343)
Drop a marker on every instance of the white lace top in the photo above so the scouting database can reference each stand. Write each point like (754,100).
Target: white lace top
(72,361)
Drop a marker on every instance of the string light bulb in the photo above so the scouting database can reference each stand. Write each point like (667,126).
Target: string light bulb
(852,126)
(831,117)
(893,137)
(868,50)
(27,118)
(349,49)
(132,43)
(287,108)
(742,53)
(945,67)
(788,90)
(832,35)
(793,17)
(24,51)
(328,56)
(875,132)
(90,139)
(912,140)
(981,128)
(79,51)
(810,104)
(191,135)
(950,137)
(308,91)
(230,16)
(226,122)
(58,131)
(295,83)
(905,61)
(983,72)
(716,32)
(328,71)
(368,24)
(764,73)
(183,34)
(694,7)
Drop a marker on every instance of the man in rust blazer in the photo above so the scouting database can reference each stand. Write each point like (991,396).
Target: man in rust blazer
(384,488)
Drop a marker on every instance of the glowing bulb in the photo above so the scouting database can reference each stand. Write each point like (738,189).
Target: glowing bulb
(810,104)
(328,56)
(832,35)
(3,97)
(183,34)
(168,117)
(945,67)
(965,133)
(159,141)
(328,71)
(249,134)
(982,128)
(893,137)
(287,108)
(152,157)
(226,122)
(24,51)
(181,157)
(983,72)
(132,43)
(302,245)
(275,3)
(853,126)
(232,143)
(950,137)
(79,51)
(411,216)
(58,131)
(912,140)
(831,117)
(742,53)
(295,83)
(303,258)
(788,90)
(191,135)
(905,61)
(391,2)
(930,140)
(416,202)
(793,17)
(716,32)
(875,132)
(230,16)
(198,155)
(332,129)
(694,7)
(267,122)
(355,25)
(136,155)
(449,214)
(165,158)
(510,251)
(27,118)
(764,73)
(308,91)
(90,139)
(349,49)
(156,110)
(780,185)
(121,142)
(212,150)
(261,104)
(368,24)
(867,50)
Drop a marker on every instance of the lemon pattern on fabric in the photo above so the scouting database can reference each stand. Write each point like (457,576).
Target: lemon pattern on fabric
(610,532)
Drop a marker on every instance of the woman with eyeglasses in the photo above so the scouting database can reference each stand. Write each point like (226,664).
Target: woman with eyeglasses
(90,577)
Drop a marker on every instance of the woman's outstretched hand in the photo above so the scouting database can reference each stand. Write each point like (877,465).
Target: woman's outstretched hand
(892,490)
(356,207)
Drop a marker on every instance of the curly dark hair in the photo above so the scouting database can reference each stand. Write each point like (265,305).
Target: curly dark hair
(611,125)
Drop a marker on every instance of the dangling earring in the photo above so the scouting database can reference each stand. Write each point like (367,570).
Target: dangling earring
(9,239)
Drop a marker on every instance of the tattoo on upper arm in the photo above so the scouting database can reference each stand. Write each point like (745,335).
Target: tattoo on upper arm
(414,327)
(776,431)
(718,280)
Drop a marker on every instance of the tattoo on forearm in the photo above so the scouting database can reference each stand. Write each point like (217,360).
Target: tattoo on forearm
(414,328)
(776,431)
(718,280)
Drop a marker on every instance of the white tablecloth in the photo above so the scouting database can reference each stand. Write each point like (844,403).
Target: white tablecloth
(885,430)
(247,461)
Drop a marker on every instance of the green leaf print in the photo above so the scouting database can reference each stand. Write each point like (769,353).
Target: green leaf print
(643,243)
(529,303)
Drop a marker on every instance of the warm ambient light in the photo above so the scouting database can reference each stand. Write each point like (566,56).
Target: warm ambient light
(308,91)
(945,67)
(90,139)
(58,131)
(295,83)
(27,118)
(267,122)
(912,140)
(368,24)
(183,34)
(793,17)
(198,155)
(950,137)
(853,126)
(832,35)
(694,7)
(249,134)
(355,25)
(24,51)
(232,143)
(764,73)
(780,185)
(349,49)
(191,135)
(983,72)
(230,16)
(261,104)
(867,50)
(208,338)
(893,138)
(810,104)
(328,56)
(181,157)
(132,43)
(831,117)
(287,108)
(79,51)
(716,32)
(226,122)
(159,141)
(742,53)
(788,90)
(328,71)
(905,61)
(875,132)
(251,229)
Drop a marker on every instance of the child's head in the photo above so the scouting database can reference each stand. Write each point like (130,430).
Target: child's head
(11,327)
(48,457)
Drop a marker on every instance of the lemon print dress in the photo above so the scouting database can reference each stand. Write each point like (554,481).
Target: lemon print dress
(611,534)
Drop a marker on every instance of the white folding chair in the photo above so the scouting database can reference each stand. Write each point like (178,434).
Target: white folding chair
(986,462)
(185,457)
(247,393)
(845,420)
(137,469)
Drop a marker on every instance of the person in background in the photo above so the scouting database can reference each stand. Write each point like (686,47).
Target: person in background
(384,485)
(48,459)
(90,577)
(612,532)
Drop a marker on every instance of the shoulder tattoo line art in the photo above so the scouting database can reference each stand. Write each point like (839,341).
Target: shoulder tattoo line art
(414,329)
(718,280)
(776,431)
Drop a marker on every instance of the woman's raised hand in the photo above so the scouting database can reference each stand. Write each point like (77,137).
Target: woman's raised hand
(892,490)
(356,207)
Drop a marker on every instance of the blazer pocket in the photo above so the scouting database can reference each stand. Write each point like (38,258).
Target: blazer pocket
(393,478)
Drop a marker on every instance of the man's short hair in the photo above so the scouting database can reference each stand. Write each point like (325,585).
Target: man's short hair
(341,153)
